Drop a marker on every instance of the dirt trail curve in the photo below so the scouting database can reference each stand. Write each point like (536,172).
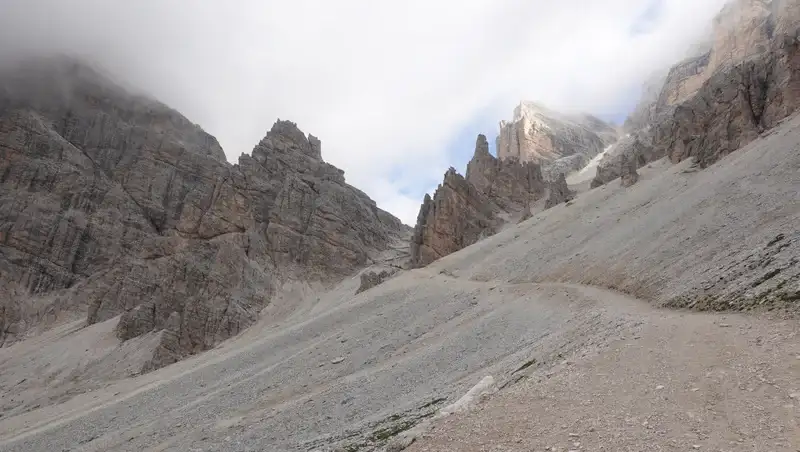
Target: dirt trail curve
(279,389)
(675,382)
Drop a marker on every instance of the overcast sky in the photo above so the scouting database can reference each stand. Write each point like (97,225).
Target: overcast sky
(396,91)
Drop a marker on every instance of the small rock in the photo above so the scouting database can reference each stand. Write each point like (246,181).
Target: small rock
(724,325)
(660,387)
(695,446)
(794,395)
(337,360)
(574,435)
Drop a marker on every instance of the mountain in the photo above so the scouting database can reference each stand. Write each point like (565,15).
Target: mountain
(565,311)
(712,104)
(650,314)
(113,204)
(495,191)
(534,153)
(559,142)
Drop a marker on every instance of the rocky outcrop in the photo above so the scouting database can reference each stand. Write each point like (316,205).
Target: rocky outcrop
(457,216)
(113,204)
(465,210)
(712,105)
(558,192)
(630,153)
(628,174)
(548,138)
(370,279)
(509,183)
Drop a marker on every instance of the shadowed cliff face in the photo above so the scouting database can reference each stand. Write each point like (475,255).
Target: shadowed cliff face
(464,210)
(117,204)
(713,104)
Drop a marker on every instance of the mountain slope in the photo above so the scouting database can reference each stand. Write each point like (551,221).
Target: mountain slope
(355,371)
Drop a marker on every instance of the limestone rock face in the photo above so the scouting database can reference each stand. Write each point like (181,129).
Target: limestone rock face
(457,216)
(743,29)
(714,104)
(510,184)
(465,210)
(113,203)
(543,136)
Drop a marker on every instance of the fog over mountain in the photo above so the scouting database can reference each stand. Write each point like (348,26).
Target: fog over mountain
(389,88)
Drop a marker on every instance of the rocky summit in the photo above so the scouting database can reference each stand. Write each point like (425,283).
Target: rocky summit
(113,204)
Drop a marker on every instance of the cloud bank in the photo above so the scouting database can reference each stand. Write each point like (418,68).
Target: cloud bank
(387,86)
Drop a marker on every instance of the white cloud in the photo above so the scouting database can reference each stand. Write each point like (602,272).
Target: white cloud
(385,85)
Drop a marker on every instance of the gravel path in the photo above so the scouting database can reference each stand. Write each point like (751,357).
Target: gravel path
(675,382)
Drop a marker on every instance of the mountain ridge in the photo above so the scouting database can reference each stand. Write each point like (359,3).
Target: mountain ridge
(117,205)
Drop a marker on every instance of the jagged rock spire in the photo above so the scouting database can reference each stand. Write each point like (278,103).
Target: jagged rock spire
(288,134)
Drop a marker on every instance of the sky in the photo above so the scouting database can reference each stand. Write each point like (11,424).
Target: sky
(396,91)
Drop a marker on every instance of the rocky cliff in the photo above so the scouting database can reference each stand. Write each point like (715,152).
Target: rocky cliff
(715,103)
(464,210)
(508,183)
(114,204)
(457,216)
(560,143)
